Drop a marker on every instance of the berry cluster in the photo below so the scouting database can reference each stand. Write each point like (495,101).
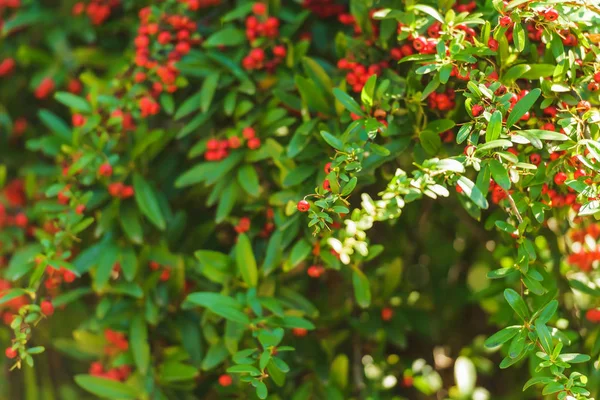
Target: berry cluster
(120,190)
(442,101)
(217,150)
(116,374)
(256,59)
(195,5)
(359,74)
(56,276)
(116,342)
(260,25)
(12,306)
(165,270)
(324,8)
(97,11)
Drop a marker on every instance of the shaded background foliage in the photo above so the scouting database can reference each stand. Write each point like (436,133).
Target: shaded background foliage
(168,212)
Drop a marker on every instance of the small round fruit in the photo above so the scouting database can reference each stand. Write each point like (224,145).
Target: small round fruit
(303,206)
(47,308)
(10,352)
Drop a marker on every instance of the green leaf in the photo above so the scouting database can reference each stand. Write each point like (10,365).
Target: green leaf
(339,371)
(219,304)
(545,314)
(246,263)
(522,107)
(494,128)
(140,348)
(349,103)
(472,192)
(175,371)
(502,336)
(499,173)
(494,144)
(106,388)
(574,358)
(517,303)
(147,201)
(207,92)
(366,95)
(261,390)
(349,187)
(428,10)
(440,125)
(519,37)
(130,222)
(248,180)
(553,387)
(226,37)
(73,101)
(190,105)
(332,141)
(317,74)
(431,142)
(362,289)
(55,124)
(544,336)
(537,380)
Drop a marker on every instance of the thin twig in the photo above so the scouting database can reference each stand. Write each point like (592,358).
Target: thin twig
(513,206)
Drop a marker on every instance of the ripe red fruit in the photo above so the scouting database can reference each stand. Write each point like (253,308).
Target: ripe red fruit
(593,86)
(165,275)
(225,380)
(164,37)
(315,271)
(21,220)
(584,106)
(505,21)
(593,315)
(597,76)
(327,168)
(79,209)
(10,352)
(387,313)
(78,120)
(254,143)
(551,15)
(105,170)
(535,159)
(248,132)
(476,110)
(115,189)
(326,184)
(560,178)
(259,8)
(493,44)
(47,308)
(299,332)
(279,51)
(303,206)
(127,192)
(7,66)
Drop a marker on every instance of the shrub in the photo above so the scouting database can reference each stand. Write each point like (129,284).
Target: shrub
(203,198)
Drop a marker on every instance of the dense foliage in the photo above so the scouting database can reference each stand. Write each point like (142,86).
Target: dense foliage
(203,199)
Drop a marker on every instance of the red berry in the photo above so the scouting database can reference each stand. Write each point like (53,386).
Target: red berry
(560,178)
(105,170)
(225,380)
(551,15)
(254,143)
(79,209)
(593,315)
(315,271)
(593,86)
(78,120)
(10,352)
(597,77)
(127,192)
(505,21)
(165,275)
(259,8)
(326,184)
(299,332)
(535,159)
(303,206)
(476,110)
(47,308)
(493,44)
(164,37)
(327,168)
(584,105)
(248,132)
(387,313)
